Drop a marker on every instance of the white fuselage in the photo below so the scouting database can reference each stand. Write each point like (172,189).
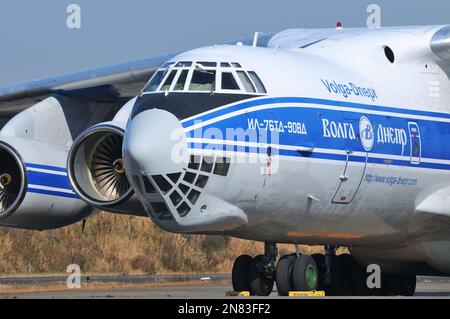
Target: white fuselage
(345,148)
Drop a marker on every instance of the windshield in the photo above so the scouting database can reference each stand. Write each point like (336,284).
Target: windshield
(205,76)
(155,81)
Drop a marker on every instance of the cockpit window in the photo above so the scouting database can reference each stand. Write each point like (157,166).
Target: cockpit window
(203,81)
(208,64)
(246,82)
(258,82)
(229,82)
(168,82)
(167,65)
(201,76)
(183,64)
(154,83)
(179,86)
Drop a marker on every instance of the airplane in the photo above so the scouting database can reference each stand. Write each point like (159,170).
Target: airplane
(329,137)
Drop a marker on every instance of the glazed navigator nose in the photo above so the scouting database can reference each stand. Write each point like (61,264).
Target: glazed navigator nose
(154,143)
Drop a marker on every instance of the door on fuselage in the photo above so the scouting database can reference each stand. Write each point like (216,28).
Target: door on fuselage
(356,162)
(350,179)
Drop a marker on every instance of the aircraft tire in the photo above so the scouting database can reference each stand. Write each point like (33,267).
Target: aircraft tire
(398,285)
(410,282)
(304,274)
(283,275)
(260,285)
(360,281)
(320,263)
(240,275)
(342,276)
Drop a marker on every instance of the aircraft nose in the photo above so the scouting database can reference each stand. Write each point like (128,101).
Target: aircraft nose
(154,143)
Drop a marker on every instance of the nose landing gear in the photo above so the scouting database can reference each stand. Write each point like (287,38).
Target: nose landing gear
(256,275)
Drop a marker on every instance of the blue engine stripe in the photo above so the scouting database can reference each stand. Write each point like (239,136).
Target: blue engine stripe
(53,193)
(314,101)
(49,180)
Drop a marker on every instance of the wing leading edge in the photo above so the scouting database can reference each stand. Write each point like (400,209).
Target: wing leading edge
(106,84)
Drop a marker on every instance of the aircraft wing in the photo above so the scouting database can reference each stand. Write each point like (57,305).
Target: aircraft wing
(105,84)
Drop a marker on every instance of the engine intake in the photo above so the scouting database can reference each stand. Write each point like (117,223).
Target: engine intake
(96,169)
(13,180)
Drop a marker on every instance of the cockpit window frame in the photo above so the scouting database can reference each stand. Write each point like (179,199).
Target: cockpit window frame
(218,67)
(214,84)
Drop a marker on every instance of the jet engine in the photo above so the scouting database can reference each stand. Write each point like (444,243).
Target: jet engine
(96,168)
(32,195)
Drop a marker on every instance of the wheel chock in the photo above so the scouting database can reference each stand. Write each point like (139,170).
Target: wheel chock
(306,293)
(238,294)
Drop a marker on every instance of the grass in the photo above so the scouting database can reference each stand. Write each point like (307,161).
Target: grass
(121,244)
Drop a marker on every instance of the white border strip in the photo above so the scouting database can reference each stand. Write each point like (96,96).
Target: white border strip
(52,189)
(305,105)
(47,171)
(316,150)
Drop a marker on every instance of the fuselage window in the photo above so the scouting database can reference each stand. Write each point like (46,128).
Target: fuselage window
(229,82)
(168,82)
(203,80)
(179,86)
(154,83)
(258,82)
(246,82)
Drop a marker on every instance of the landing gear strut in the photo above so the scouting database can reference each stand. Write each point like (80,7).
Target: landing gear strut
(256,275)
(337,275)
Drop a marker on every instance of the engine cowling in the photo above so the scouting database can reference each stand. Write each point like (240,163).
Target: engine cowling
(35,192)
(13,180)
(96,168)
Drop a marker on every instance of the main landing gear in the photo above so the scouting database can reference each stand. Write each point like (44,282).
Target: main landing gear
(336,275)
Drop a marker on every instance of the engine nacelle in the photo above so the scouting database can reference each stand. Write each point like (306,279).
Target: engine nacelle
(96,169)
(34,195)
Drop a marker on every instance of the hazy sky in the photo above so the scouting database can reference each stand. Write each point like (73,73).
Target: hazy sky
(36,42)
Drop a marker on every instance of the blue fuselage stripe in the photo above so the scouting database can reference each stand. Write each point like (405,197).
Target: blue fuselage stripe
(313,155)
(311,101)
(403,140)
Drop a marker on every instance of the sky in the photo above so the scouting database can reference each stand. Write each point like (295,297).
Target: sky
(36,41)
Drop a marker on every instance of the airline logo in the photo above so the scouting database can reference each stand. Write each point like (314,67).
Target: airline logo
(366,132)
(349,89)
(369,135)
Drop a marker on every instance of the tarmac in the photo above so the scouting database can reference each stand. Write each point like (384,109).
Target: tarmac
(157,287)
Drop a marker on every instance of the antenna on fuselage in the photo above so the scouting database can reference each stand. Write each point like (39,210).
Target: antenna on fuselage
(255,38)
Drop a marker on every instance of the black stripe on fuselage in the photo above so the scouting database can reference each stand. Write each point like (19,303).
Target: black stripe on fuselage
(184,105)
